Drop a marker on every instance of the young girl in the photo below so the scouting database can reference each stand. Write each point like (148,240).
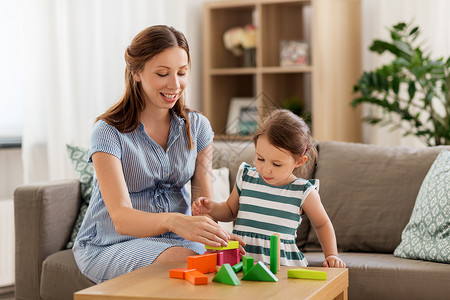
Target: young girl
(270,199)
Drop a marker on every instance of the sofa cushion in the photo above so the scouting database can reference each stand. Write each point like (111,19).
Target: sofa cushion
(230,154)
(384,276)
(61,277)
(85,172)
(427,235)
(369,192)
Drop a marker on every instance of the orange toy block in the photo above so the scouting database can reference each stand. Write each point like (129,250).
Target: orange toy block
(177,273)
(205,263)
(195,277)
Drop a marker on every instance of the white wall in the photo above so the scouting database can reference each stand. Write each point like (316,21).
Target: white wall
(11,174)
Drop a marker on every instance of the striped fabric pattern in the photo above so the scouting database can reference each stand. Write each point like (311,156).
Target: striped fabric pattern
(265,210)
(155,179)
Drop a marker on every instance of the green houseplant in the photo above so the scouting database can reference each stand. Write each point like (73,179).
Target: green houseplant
(413,87)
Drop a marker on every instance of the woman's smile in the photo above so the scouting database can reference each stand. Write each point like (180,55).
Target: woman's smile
(169,97)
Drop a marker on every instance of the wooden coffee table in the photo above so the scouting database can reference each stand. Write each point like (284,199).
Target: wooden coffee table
(153,282)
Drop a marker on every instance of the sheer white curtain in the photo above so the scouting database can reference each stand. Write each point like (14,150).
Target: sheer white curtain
(377,15)
(74,69)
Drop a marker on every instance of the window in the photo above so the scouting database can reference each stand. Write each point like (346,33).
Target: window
(11,79)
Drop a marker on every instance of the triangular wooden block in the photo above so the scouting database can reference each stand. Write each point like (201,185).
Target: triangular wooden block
(226,275)
(260,272)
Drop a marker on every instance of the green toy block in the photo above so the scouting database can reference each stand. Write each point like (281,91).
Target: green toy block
(274,253)
(231,245)
(260,272)
(226,275)
(237,267)
(307,274)
(248,263)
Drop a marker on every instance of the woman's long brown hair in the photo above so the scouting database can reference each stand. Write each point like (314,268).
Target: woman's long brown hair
(124,115)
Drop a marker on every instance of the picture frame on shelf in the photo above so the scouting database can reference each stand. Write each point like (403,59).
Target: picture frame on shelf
(243,117)
(294,53)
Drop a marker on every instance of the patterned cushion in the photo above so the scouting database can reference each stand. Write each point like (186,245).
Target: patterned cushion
(85,173)
(427,235)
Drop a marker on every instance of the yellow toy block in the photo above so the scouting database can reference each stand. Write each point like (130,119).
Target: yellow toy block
(231,245)
(307,274)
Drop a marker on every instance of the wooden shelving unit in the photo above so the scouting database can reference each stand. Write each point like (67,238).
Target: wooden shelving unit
(324,86)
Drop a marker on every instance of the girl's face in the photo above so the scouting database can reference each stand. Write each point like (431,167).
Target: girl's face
(165,77)
(275,165)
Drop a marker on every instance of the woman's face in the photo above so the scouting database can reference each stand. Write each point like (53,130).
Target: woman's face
(165,77)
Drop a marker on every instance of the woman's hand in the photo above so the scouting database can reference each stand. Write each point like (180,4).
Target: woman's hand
(333,261)
(199,229)
(202,206)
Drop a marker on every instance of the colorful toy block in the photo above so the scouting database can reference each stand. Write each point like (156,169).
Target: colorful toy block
(195,277)
(230,256)
(260,272)
(205,263)
(231,245)
(248,263)
(307,274)
(226,275)
(274,253)
(220,258)
(237,267)
(177,273)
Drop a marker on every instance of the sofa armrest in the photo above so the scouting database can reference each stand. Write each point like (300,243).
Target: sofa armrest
(44,214)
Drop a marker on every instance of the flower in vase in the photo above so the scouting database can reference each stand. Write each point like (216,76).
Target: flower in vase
(238,39)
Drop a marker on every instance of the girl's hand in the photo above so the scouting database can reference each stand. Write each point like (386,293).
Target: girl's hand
(201,206)
(333,261)
(241,243)
(201,229)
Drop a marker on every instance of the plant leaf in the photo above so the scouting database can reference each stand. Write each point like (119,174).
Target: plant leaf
(411,89)
(395,84)
(400,26)
(414,30)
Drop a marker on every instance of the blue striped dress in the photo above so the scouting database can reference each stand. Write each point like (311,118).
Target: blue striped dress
(265,209)
(155,179)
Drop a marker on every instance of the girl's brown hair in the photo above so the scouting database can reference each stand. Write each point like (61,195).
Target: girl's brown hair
(124,115)
(286,130)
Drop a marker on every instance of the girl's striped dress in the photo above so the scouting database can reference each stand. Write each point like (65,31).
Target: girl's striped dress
(265,210)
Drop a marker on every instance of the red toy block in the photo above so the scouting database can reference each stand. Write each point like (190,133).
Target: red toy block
(228,257)
(220,258)
(205,263)
(177,273)
(195,277)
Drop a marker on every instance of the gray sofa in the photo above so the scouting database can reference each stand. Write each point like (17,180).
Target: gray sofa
(368,191)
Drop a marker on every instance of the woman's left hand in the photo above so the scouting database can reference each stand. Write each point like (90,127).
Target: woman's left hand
(333,261)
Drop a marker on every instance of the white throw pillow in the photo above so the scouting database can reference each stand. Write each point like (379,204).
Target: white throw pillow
(221,189)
